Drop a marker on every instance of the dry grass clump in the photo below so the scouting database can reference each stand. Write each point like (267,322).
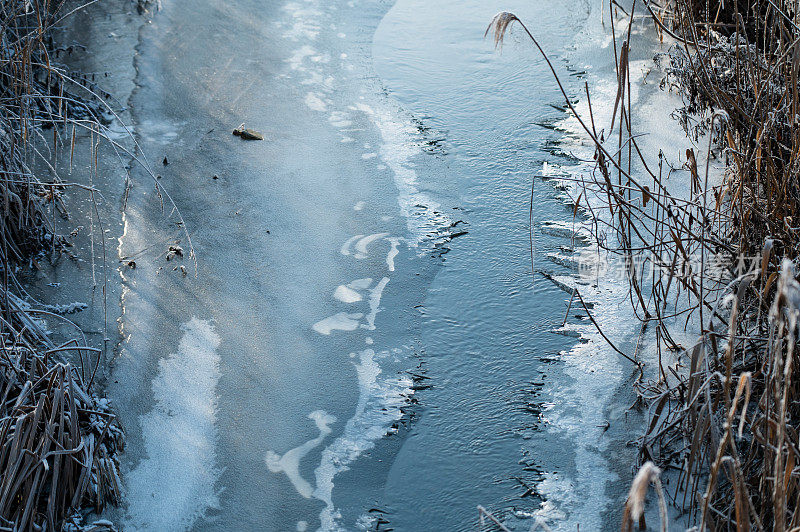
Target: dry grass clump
(724,415)
(731,425)
(745,63)
(57,440)
(35,95)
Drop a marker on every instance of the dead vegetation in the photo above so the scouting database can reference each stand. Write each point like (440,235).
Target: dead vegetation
(720,256)
(58,441)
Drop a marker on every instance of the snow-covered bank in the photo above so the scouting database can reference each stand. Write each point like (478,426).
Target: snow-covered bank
(590,406)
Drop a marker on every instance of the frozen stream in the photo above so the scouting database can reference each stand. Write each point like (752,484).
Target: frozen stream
(363,346)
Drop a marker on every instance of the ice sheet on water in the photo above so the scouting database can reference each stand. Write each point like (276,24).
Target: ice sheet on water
(289,463)
(380,403)
(174,486)
(342,321)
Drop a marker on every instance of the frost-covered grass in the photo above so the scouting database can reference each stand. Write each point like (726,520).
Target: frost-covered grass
(58,440)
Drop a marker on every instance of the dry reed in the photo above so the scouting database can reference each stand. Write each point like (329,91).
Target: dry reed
(726,423)
(58,441)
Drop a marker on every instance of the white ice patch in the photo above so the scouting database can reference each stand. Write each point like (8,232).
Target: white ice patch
(345,249)
(359,206)
(342,321)
(174,486)
(66,308)
(299,56)
(572,229)
(289,463)
(392,252)
(374,303)
(314,102)
(578,414)
(399,147)
(303,24)
(346,294)
(380,402)
(360,284)
(361,245)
